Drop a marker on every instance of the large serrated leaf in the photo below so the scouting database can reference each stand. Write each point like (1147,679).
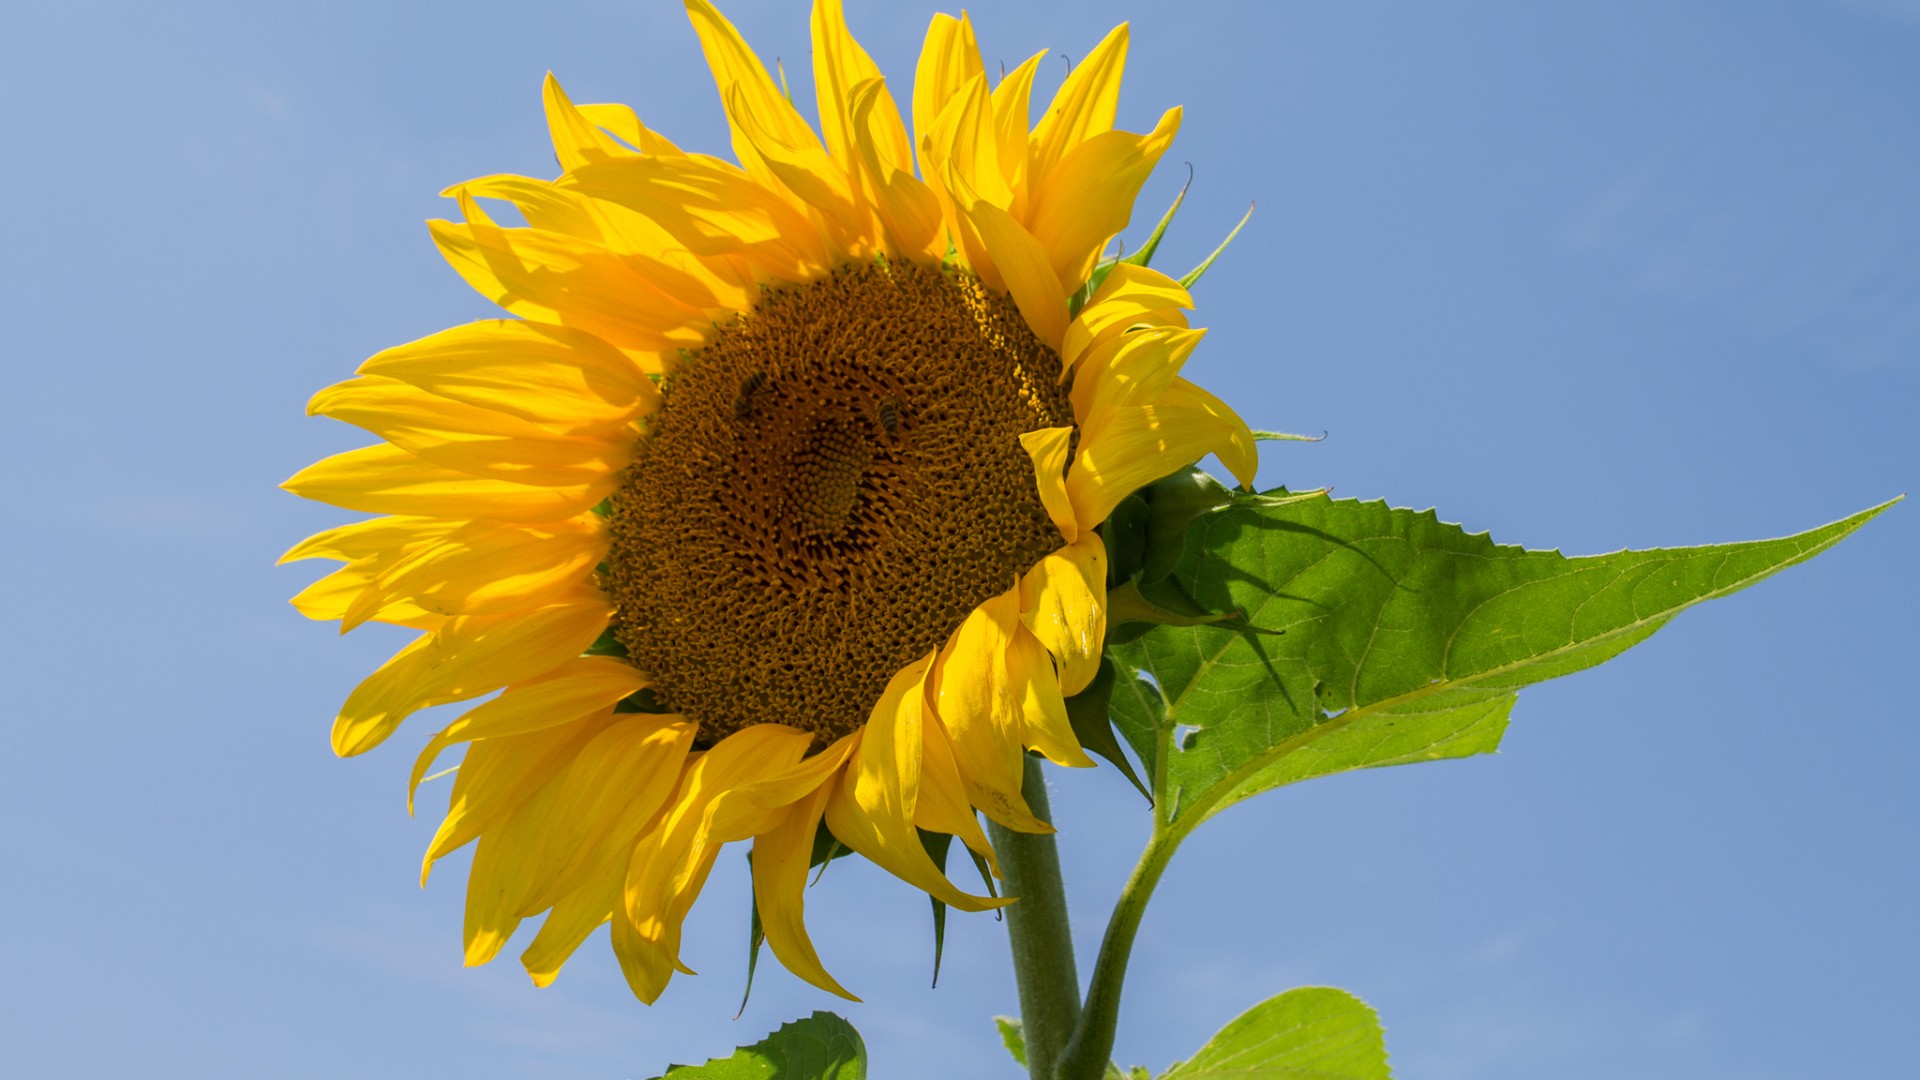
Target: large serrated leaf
(821,1047)
(1388,637)
(1314,1033)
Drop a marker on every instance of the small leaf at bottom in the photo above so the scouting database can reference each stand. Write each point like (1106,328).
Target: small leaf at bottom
(1014,1036)
(1313,1033)
(821,1047)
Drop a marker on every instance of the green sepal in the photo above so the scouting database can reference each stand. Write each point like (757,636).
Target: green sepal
(1089,713)
(1085,292)
(1286,436)
(1166,604)
(1192,277)
(756,937)
(643,700)
(937,844)
(1173,501)
(1167,607)
(821,1047)
(1125,535)
(826,848)
(607,645)
(1145,254)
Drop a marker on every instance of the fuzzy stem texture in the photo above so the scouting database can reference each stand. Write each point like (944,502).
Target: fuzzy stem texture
(1042,938)
(1090,1049)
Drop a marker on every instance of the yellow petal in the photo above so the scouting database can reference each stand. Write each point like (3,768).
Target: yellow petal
(1088,197)
(613,786)
(465,658)
(943,805)
(949,60)
(555,278)
(671,863)
(487,568)
(1023,268)
(1012,108)
(336,596)
(577,138)
(963,142)
(526,861)
(1236,448)
(907,208)
(548,375)
(641,244)
(1126,447)
(983,711)
(1068,612)
(742,811)
(1082,108)
(359,539)
(712,208)
(780,864)
(1131,295)
(840,64)
(621,121)
(573,917)
(646,965)
(504,862)
(547,206)
(1133,368)
(384,479)
(472,439)
(736,68)
(821,186)
(1048,447)
(497,775)
(581,687)
(872,809)
(1043,709)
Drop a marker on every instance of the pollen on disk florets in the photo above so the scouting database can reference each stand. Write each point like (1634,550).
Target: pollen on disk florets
(830,485)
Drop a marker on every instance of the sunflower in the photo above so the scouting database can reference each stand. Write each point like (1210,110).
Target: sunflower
(772,508)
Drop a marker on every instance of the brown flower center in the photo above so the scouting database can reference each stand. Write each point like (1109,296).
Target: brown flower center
(830,485)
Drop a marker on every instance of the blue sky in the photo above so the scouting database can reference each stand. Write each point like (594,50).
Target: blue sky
(1584,275)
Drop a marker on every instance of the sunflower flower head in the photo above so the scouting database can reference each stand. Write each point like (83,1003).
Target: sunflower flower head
(772,507)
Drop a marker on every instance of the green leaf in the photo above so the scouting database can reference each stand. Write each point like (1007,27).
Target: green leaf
(821,1047)
(1314,1033)
(1088,712)
(1389,637)
(1013,1036)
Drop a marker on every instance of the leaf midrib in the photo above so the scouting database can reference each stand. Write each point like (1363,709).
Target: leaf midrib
(1209,801)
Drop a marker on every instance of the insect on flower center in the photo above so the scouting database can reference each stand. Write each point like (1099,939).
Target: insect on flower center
(830,485)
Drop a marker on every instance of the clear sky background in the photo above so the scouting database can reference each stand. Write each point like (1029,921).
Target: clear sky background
(1586,275)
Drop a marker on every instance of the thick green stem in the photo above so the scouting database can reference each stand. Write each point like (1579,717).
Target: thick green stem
(1091,1048)
(1042,939)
